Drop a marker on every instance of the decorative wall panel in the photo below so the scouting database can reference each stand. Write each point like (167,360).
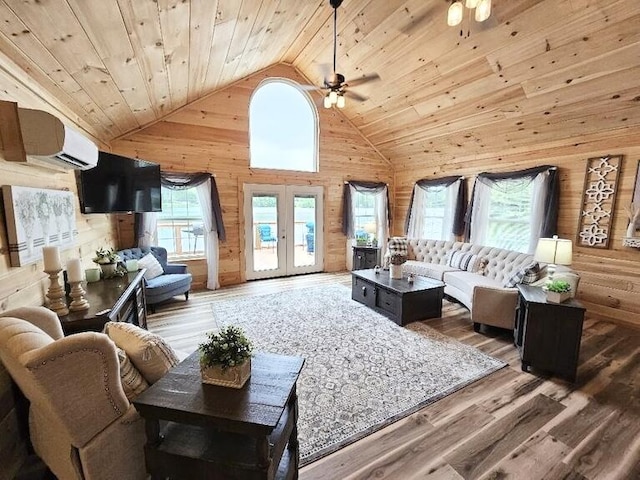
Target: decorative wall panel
(37,217)
(598,201)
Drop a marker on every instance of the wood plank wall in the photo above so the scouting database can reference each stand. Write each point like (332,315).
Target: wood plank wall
(22,286)
(212,135)
(610,278)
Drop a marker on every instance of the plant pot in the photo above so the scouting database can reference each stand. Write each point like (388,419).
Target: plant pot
(108,269)
(555,297)
(395,271)
(234,377)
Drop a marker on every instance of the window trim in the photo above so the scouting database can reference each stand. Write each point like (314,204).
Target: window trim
(316,120)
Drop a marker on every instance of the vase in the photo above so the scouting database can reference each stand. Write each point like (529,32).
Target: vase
(108,269)
(558,297)
(395,271)
(234,377)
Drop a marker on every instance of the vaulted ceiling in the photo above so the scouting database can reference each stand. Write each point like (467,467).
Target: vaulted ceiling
(536,71)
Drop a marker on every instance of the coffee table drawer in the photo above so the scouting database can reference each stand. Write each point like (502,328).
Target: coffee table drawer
(363,292)
(388,302)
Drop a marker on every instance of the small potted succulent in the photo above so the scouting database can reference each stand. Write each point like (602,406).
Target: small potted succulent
(558,291)
(107,259)
(395,269)
(225,358)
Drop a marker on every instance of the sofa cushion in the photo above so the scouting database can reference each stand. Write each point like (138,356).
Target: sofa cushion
(430,270)
(168,282)
(149,352)
(133,383)
(467,281)
(154,269)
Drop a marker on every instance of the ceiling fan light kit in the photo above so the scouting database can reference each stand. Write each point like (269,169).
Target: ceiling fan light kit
(456,11)
(335,84)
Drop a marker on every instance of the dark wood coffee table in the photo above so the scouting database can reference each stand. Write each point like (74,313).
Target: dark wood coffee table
(213,432)
(401,301)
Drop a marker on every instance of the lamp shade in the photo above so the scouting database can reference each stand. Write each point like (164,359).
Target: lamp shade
(454,14)
(558,251)
(483,10)
(370,227)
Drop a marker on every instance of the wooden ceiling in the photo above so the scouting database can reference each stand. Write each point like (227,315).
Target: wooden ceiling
(538,71)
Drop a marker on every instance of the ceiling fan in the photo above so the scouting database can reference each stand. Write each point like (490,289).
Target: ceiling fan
(335,83)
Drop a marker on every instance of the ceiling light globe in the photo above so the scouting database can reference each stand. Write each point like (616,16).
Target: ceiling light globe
(327,102)
(483,10)
(454,15)
(471,3)
(341,101)
(333,97)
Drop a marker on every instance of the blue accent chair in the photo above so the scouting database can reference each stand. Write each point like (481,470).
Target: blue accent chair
(265,235)
(175,280)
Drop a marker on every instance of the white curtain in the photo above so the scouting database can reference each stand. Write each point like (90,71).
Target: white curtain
(480,215)
(382,221)
(540,192)
(482,205)
(147,236)
(416,215)
(210,236)
(450,204)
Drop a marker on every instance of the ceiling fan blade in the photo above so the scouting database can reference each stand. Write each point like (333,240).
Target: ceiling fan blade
(372,77)
(310,87)
(355,96)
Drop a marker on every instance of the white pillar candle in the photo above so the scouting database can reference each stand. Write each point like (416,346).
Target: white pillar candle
(74,270)
(51,256)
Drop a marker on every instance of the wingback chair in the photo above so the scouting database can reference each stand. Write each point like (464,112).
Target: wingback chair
(174,281)
(81,423)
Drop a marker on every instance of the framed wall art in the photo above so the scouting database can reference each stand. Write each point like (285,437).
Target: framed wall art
(598,201)
(36,217)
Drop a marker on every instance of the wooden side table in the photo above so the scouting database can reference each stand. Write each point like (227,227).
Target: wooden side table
(212,432)
(548,335)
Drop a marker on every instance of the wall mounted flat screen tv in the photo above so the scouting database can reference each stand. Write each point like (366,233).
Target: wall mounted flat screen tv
(120,184)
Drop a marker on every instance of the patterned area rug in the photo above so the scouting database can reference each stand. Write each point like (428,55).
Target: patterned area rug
(362,371)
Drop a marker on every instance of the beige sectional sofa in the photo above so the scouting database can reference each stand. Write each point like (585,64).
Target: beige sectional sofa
(482,292)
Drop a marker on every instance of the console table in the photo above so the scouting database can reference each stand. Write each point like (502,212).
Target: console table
(119,299)
(212,432)
(548,334)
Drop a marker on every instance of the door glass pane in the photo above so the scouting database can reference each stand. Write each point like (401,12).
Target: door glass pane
(304,230)
(265,232)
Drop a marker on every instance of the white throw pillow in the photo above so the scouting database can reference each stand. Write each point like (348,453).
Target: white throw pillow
(148,352)
(151,263)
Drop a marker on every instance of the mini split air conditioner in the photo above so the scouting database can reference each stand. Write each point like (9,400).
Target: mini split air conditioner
(49,140)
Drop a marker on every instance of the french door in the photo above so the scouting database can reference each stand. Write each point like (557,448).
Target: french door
(283,230)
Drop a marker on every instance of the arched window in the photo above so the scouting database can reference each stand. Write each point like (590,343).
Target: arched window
(283,127)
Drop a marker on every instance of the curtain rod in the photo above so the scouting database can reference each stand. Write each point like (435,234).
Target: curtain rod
(346,182)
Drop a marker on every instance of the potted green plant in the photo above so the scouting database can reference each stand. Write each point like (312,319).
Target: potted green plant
(107,259)
(558,291)
(225,358)
(395,269)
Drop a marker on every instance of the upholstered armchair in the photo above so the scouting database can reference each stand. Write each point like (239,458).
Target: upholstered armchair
(173,280)
(80,421)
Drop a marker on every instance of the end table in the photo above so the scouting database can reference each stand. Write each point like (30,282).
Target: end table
(546,334)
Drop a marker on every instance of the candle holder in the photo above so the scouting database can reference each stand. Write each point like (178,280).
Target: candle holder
(56,295)
(78,301)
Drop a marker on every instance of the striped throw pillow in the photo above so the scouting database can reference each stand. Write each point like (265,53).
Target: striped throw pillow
(133,383)
(464,261)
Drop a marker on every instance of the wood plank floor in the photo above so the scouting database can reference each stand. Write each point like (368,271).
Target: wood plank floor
(509,425)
